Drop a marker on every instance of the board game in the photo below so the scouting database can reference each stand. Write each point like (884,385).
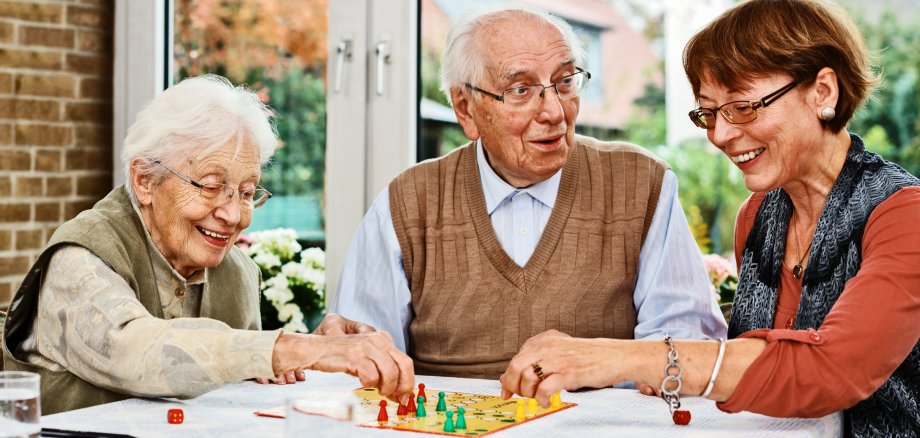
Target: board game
(468,414)
(483,414)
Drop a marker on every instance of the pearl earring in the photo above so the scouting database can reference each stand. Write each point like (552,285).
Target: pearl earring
(828,114)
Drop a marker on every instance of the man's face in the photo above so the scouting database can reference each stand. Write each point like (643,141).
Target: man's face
(524,145)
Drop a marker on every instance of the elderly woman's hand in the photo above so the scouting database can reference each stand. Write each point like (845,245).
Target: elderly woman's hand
(553,361)
(291,377)
(372,357)
(335,324)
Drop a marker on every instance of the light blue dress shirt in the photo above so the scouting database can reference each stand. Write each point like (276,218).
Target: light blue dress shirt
(672,294)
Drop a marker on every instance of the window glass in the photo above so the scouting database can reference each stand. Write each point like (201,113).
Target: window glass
(277,48)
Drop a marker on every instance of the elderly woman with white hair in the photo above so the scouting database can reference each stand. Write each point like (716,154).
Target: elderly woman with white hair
(146,295)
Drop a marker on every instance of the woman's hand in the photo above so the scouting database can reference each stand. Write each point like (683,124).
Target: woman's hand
(553,361)
(291,377)
(372,357)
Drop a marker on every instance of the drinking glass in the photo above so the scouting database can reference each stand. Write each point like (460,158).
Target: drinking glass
(20,410)
(326,411)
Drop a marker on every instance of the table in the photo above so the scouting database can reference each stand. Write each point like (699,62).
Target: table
(229,412)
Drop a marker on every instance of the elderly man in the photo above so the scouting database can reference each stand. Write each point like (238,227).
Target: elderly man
(146,295)
(529,227)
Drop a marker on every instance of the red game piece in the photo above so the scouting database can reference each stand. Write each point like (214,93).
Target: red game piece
(421,392)
(175,416)
(401,411)
(382,415)
(411,406)
(681,417)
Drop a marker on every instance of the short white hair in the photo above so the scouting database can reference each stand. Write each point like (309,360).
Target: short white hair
(195,118)
(463,63)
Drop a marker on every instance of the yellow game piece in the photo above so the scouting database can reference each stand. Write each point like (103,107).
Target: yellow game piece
(532,406)
(555,401)
(519,414)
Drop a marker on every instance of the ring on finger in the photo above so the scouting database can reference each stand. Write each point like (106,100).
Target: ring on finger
(537,370)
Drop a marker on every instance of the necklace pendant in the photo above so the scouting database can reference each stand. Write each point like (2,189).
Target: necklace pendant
(797,271)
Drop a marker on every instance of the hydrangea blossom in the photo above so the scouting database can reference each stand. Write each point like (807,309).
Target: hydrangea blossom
(291,277)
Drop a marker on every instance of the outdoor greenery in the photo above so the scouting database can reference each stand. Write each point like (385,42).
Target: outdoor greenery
(891,120)
(711,189)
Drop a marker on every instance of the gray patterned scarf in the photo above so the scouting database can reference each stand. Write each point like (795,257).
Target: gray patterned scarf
(836,255)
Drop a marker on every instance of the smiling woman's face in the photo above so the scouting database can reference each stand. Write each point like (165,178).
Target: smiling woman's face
(191,232)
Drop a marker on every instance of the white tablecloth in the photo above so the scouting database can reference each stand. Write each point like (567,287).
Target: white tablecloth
(229,412)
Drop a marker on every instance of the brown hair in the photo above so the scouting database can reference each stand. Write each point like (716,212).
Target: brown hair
(796,37)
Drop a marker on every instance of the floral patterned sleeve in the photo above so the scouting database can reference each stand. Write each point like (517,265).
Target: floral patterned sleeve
(90,322)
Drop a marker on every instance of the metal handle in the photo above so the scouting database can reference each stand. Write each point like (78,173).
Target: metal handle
(342,54)
(383,58)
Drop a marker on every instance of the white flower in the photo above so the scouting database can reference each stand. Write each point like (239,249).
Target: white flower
(288,311)
(296,325)
(315,277)
(278,295)
(282,242)
(294,317)
(278,282)
(293,270)
(276,251)
(313,256)
(267,260)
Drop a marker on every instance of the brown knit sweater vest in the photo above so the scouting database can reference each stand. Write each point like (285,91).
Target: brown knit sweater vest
(473,306)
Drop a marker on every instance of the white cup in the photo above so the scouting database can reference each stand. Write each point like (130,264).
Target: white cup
(313,411)
(20,410)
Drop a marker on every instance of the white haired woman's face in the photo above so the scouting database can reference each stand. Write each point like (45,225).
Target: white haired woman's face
(191,231)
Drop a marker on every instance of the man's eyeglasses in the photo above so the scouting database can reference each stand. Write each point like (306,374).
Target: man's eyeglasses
(737,112)
(217,194)
(526,95)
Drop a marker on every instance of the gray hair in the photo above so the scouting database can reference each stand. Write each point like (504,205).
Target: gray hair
(196,118)
(462,61)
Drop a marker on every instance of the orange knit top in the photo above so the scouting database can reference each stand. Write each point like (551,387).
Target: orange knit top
(867,334)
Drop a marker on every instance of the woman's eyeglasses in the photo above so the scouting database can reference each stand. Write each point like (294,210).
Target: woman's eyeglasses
(217,194)
(737,112)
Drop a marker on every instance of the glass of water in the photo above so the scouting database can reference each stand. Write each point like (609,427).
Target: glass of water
(326,411)
(20,411)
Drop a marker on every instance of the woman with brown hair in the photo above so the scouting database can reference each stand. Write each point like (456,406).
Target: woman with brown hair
(829,287)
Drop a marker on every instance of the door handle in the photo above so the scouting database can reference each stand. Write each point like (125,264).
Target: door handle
(342,54)
(383,57)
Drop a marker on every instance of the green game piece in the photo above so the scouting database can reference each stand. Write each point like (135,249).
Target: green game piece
(449,423)
(461,420)
(420,411)
(442,405)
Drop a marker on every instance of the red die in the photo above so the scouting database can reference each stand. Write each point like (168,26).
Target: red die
(681,417)
(175,416)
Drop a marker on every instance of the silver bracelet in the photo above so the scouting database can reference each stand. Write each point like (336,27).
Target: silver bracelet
(715,369)
(672,397)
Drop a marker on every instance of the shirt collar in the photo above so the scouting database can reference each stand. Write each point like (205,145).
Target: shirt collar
(496,190)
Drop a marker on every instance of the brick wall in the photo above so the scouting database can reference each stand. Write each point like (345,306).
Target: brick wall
(55,122)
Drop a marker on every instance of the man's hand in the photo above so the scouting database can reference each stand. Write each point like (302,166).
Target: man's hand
(553,361)
(371,357)
(335,324)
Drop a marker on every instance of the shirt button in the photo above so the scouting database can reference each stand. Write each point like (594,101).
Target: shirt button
(790,323)
(523,231)
(815,336)
(180,292)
